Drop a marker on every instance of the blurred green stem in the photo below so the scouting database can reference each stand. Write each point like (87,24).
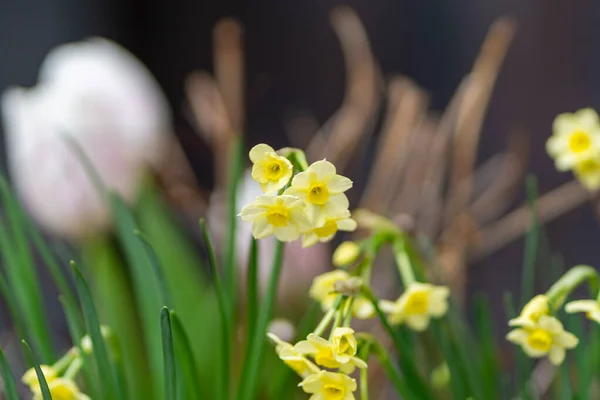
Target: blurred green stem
(403,262)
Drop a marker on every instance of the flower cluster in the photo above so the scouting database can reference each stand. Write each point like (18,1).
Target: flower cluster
(575,145)
(310,203)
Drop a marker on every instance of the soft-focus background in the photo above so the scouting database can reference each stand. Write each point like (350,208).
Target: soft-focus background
(294,64)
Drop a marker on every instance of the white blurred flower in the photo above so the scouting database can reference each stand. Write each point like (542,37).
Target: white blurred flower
(108,102)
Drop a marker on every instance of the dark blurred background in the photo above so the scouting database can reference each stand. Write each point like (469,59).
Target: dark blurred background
(294,62)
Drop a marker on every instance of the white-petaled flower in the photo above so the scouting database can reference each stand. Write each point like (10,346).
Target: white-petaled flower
(546,337)
(532,311)
(269,169)
(323,191)
(575,137)
(591,308)
(417,305)
(98,94)
(282,216)
(326,232)
(296,361)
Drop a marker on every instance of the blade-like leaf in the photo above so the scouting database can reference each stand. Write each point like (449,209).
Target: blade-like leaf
(38,371)
(157,269)
(168,355)
(10,388)
(185,357)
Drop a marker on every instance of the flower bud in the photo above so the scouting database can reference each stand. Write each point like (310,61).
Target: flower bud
(346,254)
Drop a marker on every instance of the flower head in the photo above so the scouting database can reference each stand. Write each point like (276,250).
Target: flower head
(329,386)
(282,216)
(345,254)
(417,305)
(532,311)
(328,355)
(327,231)
(587,172)
(296,361)
(546,337)
(591,308)
(30,377)
(323,291)
(322,190)
(344,342)
(269,169)
(61,389)
(575,137)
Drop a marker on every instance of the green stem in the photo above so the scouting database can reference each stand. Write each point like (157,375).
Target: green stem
(65,360)
(328,317)
(364,374)
(558,293)
(403,262)
(74,368)
(338,317)
(348,311)
(252,289)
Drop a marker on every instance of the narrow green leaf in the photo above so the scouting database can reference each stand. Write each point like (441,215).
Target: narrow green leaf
(168,355)
(531,244)
(523,367)
(184,355)
(401,384)
(485,335)
(10,387)
(252,289)
(458,385)
(38,371)
(157,269)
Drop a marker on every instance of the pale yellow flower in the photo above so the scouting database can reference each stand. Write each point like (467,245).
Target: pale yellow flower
(532,311)
(329,386)
(61,389)
(587,172)
(546,337)
(324,353)
(323,291)
(282,216)
(417,305)
(591,308)
(296,361)
(344,344)
(269,169)
(345,254)
(327,231)
(30,377)
(575,137)
(322,190)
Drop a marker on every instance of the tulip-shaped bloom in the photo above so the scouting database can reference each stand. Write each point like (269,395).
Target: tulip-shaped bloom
(587,173)
(322,190)
(532,311)
(417,305)
(296,361)
(326,232)
(282,216)
(591,308)
(329,386)
(325,354)
(269,169)
(575,137)
(345,254)
(546,337)
(61,389)
(323,291)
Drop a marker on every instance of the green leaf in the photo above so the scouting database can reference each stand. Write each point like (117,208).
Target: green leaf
(485,335)
(157,269)
(38,371)
(531,244)
(252,289)
(168,355)
(185,358)
(10,388)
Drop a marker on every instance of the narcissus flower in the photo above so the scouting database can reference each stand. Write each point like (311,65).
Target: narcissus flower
(532,311)
(296,361)
(417,305)
(344,343)
(61,389)
(591,308)
(282,216)
(587,172)
(323,291)
(325,353)
(575,137)
(345,254)
(271,170)
(329,386)
(327,231)
(322,190)
(30,377)
(546,337)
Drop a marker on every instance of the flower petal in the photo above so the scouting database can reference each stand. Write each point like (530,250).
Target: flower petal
(347,225)
(338,184)
(418,322)
(261,228)
(557,355)
(323,169)
(258,151)
(581,306)
(287,233)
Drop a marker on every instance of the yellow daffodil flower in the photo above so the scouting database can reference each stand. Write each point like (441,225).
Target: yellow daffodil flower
(269,169)
(323,291)
(417,305)
(329,386)
(296,361)
(327,231)
(575,137)
(591,308)
(324,353)
(532,311)
(322,190)
(61,389)
(282,216)
(30,377)
(546,337)
(345,254)
(344,344)
(587,172)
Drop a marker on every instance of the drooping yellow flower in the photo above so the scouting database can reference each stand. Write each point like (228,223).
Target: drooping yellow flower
(296,361)
(575,137)
(327,231)
(322,190)
(344,344)
(345,254)
(325,354)
(532,311)
(546,337)
(271,170)
(587,172)
(61,389)
(591,308)
(329,386)
(30,377)
(282,216)
(323,291)
(417,305)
